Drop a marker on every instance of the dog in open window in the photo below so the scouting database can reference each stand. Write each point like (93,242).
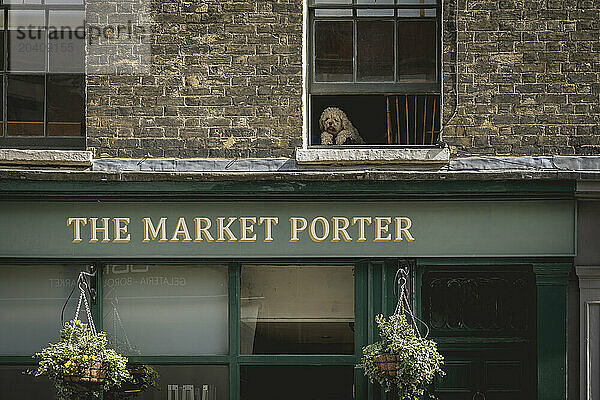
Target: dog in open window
(336,128)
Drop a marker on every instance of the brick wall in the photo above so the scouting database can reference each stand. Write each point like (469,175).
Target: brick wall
(225,81)
(529,77)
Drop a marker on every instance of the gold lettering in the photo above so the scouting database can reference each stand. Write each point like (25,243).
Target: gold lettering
(225,230)
(203,230)
(269,222)
(181,229)
(151,233)
(337,229)
(246,229)
(121,230)
(361,227)
(295,229)
(312,231)
(79,222)
(403,231)
(380,229)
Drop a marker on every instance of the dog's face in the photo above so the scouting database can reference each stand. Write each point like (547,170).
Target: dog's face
(331,120)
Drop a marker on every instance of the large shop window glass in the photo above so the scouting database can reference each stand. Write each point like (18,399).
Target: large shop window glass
(260,382)
(31,300)
(166,309)
(15,384)
(297,309)
(186,382)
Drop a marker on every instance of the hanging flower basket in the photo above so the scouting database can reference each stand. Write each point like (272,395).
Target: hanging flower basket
(388,364)
(95,373)
(81,365)
(403,359)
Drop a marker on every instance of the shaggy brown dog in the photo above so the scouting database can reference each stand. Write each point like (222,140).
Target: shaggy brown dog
(336,128)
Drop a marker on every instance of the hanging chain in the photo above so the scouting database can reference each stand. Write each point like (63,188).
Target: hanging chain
(403,305)
(83,290)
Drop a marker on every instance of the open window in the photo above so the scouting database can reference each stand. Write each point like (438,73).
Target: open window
(42,87)
(378,62)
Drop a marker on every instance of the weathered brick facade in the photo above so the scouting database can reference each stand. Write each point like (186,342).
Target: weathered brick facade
(529,77)
(226,81)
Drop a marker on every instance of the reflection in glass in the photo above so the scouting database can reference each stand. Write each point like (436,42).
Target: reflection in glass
(332,2)
(25,105)
(26,40)
(65,112)
(413,1)
(206,382)
(374,2)
(386,12)
(16,385)
(416,12)
(31,299)
(375,54)
(417,51)
(166,309)
(297,310)
(66,41)
(333,12)
(333,51)
(297,383)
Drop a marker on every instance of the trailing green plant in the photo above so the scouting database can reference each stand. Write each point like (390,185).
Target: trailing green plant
(414,360)
(143,378)
(80,366)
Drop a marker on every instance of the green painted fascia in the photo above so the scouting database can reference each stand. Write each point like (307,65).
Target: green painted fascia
(238,189)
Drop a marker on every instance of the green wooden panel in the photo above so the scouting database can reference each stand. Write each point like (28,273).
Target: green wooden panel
(551,280)
(255,185)
(439,228)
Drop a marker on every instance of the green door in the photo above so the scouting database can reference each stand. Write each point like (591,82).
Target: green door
(484,322)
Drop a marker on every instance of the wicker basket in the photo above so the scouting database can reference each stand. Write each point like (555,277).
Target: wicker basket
(387,363)
(95,373)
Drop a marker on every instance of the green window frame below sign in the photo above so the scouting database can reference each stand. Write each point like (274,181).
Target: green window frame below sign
(238,365)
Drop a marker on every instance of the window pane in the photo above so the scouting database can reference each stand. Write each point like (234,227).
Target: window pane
(26,40)
(166,309)
(417,51)
(409,1)
(333,12)
(375,2)
(207,382)
(31,299)
(25,105)
(66,41)
(18,386)
(375,51)
(297,310)
(333,51)
(332,2)
(2,40)
(65,105)
(416,12)
(386,12)
(1,105)
(297,383)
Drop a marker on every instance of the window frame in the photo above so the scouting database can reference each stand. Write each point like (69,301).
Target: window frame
(341,88)
(313,88)
(37,142)
(234,359)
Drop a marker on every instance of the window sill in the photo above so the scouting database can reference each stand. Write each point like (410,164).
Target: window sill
(387,156)
(47,158)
